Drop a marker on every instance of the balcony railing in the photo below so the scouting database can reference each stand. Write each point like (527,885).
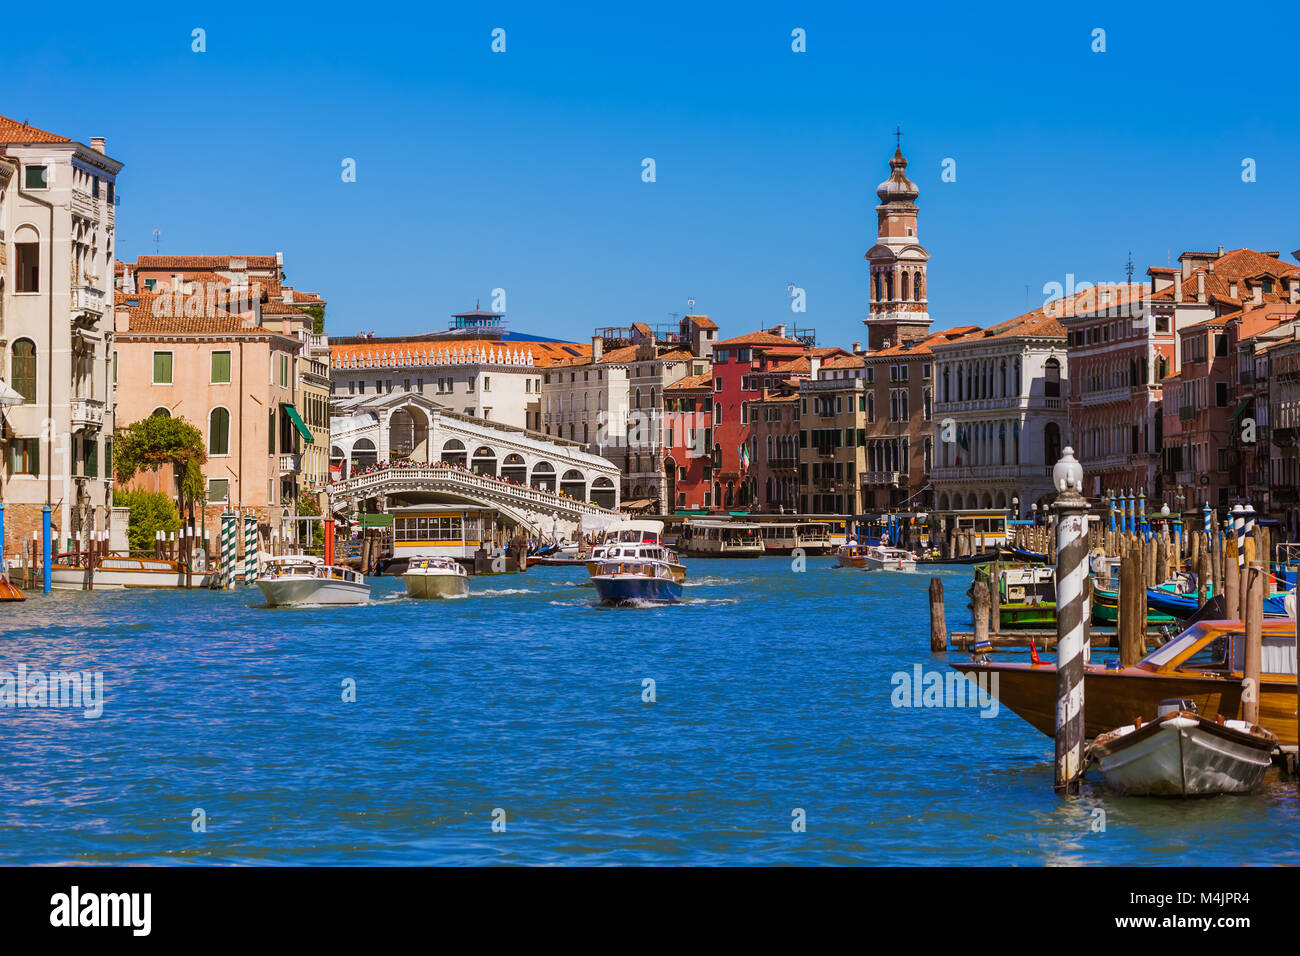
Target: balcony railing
(87,413)
(85,205)
(881,477)
(1106,395)
(88,300)
(290,464)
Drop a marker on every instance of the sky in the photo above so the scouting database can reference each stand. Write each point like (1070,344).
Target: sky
(523,170)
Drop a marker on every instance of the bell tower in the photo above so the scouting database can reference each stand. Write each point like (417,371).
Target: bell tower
(897,279)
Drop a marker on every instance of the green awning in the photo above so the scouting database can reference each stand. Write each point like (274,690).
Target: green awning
(298,423)
(1241,407)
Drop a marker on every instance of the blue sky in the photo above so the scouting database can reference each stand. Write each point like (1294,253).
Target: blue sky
(522,170)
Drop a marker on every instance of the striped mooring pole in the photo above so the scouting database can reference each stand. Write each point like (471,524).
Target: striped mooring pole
(228,527)
(1239,525)
(1205,513)
(250,548)
(1071,576)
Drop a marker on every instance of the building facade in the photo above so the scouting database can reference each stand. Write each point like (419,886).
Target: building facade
(58,201)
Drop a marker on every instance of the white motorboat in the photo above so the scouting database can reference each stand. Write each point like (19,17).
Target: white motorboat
(1182,754)
(881,558)
(298,579)
(71,572)
(435,578)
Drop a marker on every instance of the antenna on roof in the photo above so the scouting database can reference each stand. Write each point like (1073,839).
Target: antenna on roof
(157,235)
(1129,267)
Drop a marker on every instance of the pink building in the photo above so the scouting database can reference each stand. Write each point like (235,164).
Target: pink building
(234,382)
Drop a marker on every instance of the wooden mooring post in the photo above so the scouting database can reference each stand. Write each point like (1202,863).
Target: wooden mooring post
(938,626)
(1256,575)
(1231,581)
(979,609)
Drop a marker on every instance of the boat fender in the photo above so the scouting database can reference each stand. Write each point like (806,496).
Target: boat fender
(1219,719)
(1033,653)
(1137,723)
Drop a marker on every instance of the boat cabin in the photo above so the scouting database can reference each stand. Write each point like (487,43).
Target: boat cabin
(441,531)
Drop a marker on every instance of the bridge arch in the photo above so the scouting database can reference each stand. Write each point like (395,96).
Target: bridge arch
(574,484)
(484,461)
(453,452)
(602,493)
(543,476)
(514,469)
(364,454)
(408,433)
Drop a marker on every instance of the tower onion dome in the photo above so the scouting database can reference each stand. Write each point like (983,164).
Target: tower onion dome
(898,188)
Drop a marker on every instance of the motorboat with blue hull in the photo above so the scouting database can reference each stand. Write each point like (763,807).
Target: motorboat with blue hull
(636,582)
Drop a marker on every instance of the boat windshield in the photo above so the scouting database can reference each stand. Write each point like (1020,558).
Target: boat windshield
(1165,653)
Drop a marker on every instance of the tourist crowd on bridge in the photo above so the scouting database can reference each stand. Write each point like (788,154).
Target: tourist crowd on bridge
(408,464)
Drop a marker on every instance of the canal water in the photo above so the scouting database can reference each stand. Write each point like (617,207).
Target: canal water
(518,726)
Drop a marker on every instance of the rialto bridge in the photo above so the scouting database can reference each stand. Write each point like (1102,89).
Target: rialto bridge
(403,448)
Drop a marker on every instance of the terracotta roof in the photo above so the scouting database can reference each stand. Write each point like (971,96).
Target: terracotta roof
(206,263)
(385,354)
(845,361)
(142,321)
(794,366)
(12,131)
(1230,267)
(703,321)
(759,338)
(923,347)
(692,382)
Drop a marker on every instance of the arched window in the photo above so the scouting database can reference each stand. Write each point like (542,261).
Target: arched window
(162,411)
(1052,381)
(23,368)
(219,431)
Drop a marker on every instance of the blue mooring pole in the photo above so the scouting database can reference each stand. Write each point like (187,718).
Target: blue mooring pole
(47,542)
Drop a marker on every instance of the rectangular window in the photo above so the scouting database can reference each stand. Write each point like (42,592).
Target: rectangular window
(1221,394)
(220,368)
(218,489)
(162,368)
(34,177)
(27,267)
(25,456)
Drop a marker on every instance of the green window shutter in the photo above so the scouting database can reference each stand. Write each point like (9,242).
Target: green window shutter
(219,432)
(221,368)
(162,368)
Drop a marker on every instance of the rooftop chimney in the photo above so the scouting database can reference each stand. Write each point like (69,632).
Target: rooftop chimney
(597,347)
(1220,252)
(97,144)
(779,330)
(1178,291)
(857,348)
(814,366)
(1200,286)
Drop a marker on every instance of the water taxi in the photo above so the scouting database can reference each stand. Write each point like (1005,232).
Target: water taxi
(298,579)
(881,558)
(722,539)
(435,578)
(1204,664)
(852,555)
(1183,754)
(73,571)
(634,539)
(636,582)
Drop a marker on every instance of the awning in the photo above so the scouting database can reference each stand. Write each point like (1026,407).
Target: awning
(298,423)
(1241,407)
(636,505)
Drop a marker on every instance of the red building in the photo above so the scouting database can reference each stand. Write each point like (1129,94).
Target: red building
(742,368)
(688,443)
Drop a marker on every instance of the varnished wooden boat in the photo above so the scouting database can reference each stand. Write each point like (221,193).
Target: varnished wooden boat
(1203,664)
(9,591)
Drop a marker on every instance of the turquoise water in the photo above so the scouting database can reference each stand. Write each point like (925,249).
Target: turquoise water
(772,695)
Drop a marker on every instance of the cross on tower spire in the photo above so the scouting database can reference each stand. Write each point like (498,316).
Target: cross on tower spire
(898,136)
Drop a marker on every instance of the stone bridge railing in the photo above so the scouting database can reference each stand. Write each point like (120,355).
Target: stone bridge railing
(463,484)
